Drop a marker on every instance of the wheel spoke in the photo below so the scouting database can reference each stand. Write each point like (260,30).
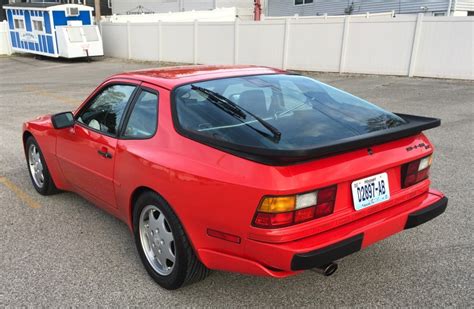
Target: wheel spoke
(35,154)
(37,175)
(168,254)
(167,237)
(152,221)
(160,258)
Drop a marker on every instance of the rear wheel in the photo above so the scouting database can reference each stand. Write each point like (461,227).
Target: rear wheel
(38,170)
(162,244)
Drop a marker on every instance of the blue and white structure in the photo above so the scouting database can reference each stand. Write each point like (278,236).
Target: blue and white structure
(52,29)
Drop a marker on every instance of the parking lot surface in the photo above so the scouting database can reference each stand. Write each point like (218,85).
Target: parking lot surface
(61,250)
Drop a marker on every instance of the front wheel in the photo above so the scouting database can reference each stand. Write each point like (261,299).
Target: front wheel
(162,244)
(37,168)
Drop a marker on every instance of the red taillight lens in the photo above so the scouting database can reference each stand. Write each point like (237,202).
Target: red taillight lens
(416,171)
(273,220)
(327,194)
(276,212)
(304,214)
(324,209)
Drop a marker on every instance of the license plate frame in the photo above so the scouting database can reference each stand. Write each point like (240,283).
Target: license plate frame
(366,192)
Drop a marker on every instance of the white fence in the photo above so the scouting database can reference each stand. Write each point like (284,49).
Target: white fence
(405,45)
(5,46)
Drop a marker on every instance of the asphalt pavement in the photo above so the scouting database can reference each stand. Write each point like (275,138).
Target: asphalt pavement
(61,250)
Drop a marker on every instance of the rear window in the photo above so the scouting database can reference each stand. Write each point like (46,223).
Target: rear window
(275,112)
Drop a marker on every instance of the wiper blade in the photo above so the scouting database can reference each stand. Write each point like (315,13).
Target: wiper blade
(221,101)
(238,111)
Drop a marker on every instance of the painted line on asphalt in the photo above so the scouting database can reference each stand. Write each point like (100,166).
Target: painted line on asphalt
(22,195)
(55,96)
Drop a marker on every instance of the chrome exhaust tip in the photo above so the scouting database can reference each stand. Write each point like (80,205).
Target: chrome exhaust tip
(326,270)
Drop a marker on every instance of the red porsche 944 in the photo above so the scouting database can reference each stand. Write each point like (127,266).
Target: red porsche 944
(238,168)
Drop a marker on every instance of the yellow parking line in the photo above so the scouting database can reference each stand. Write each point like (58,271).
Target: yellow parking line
(48,94)
(22,195)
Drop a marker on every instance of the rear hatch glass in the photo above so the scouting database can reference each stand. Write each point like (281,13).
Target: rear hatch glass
(277,118)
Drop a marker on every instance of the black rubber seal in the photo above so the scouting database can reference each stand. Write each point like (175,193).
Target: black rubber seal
(327,254)
(426,214)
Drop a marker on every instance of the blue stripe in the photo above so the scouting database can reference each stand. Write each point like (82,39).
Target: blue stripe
(20,43)
(40,42)
(10,19)
(37,47)
(49,39)
(31,46)
(13,38)
(47,23)
(43,42)
(28,21)
(18,39)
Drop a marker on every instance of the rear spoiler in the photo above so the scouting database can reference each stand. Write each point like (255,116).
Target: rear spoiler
(414,125)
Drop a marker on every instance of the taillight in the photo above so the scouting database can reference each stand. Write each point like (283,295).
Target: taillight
(280,211)
(416,171)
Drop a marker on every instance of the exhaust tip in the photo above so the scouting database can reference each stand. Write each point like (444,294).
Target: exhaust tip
(326,270)
(330,269)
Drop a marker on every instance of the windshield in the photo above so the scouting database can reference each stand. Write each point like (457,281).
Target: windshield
(250,111)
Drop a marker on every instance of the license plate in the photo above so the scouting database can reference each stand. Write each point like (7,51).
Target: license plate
(370,191)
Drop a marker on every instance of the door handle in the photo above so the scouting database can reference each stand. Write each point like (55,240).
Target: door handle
(105,154)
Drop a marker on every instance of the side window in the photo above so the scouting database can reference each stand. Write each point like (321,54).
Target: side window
(19,24)
(144,116)
(106,109)
(38,25)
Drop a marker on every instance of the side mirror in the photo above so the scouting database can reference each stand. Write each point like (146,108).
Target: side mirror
(62,120)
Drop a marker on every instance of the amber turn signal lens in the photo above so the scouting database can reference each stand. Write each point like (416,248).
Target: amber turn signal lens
(277,204)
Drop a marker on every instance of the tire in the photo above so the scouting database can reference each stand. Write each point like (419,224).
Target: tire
(186,267)
(46,186)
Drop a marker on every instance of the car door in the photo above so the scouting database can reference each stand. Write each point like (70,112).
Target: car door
(86,152)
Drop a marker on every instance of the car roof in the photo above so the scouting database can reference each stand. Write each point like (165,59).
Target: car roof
(169,77)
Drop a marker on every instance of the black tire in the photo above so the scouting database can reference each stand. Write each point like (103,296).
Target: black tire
(48,187)
(187,268)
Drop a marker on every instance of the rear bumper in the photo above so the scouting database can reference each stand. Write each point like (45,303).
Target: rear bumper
(426,214)
(348,246)
(285,259)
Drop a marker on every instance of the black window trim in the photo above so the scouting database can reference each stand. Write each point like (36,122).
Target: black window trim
(137,86)
(129,110)
(304,3)
(414,125)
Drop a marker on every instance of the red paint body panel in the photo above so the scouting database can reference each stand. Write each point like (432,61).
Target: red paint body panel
(212,189)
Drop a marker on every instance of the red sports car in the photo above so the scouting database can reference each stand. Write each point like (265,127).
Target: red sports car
(237,168)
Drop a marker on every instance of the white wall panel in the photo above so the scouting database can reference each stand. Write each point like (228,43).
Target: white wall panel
(446,48)
(380,47)
(177,42)
(144,40)
(315,45)
(261,43)
(215,43)
(114,37)
(5,46)
(442,46)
